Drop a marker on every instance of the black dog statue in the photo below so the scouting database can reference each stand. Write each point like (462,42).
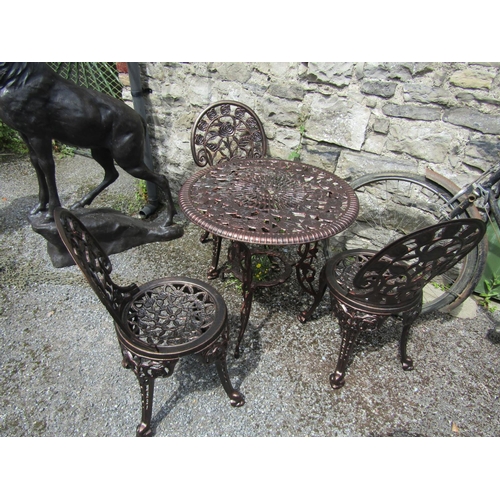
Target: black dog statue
(41,106)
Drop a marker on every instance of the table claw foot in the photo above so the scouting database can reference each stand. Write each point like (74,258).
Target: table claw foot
(303,316)
(143,430)
(337,380)
(407,364)
(212,273)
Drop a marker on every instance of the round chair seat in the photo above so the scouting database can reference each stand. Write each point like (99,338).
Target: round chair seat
(340,272)
(171,318)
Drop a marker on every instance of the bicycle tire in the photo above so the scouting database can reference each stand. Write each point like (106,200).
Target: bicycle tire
(393,204)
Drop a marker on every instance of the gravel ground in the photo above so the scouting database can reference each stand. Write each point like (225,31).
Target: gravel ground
(60,363)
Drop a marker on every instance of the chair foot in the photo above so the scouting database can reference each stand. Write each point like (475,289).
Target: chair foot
(407,364)
(337,380)
(143,430)
(237,399)
(235,396)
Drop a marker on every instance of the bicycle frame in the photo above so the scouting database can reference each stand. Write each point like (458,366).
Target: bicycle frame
(486,188)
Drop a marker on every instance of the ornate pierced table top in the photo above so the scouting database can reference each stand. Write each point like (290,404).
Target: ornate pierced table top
(269,202)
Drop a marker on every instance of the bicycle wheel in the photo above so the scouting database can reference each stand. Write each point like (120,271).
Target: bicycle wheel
(395,204)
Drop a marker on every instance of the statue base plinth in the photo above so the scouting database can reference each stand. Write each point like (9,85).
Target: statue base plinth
(115,232)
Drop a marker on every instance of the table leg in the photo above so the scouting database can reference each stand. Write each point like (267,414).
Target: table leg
(239,254)
(240,264)
(213,271)
(305,269)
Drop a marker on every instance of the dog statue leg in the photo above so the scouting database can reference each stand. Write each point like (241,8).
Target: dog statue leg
(105,159)
(43,192)
(165,187)
(143,172)
(41,157)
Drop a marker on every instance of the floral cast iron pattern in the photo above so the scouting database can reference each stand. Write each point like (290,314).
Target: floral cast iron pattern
(225,131)
(156,323)
(367,287)
(268,201)
(172,313)
(159,316)
(399,272)
(95,265)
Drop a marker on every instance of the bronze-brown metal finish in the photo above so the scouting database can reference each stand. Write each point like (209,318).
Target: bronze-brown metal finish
(156,323)
(225,130)
(367,287)
(268,202)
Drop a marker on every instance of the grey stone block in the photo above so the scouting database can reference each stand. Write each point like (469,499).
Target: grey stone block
(339,122)
(352,165)
(381,89)
(412,112)
(468,117)
(424,140)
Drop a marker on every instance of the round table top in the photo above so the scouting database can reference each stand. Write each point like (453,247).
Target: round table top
(268,201)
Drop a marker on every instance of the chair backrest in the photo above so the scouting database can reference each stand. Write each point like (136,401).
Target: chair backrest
(93,262)
(225,130)
(400,270)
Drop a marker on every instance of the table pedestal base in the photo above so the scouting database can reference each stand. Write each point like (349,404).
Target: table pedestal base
(240,265)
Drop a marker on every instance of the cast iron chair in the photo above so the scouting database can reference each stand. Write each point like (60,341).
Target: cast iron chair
(158,322)
(366,287)
(225,130)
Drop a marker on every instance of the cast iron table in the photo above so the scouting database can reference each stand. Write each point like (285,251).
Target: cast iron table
(270,203)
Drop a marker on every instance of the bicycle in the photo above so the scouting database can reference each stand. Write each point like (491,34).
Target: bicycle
(393,204)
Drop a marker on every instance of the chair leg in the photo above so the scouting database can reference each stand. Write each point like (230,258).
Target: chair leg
(408,319)
(237,399)
(352,323)
(147,371)
(306,315)
(146,383)
(217,353)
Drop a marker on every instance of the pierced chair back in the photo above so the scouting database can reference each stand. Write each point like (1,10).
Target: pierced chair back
(225,130)
(157,322)
(398,272)
(367,286)
(93,262)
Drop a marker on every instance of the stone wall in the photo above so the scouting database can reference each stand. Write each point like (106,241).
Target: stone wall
(350,118)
